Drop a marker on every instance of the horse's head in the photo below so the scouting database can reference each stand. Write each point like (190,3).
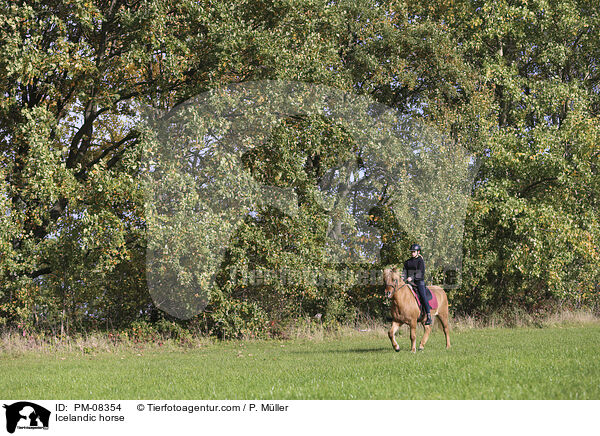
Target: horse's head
(392,281)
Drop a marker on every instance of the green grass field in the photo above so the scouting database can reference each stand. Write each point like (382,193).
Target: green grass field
(520,363)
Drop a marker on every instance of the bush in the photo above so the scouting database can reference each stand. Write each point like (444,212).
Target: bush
(227,318)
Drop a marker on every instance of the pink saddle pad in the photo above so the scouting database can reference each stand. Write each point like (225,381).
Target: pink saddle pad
(433,303)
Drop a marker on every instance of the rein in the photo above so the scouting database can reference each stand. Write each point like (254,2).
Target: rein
(395,286)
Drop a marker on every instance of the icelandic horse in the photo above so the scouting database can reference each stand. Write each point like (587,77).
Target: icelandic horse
(405,309)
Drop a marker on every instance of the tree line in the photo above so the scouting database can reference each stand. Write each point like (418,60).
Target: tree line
(517,83)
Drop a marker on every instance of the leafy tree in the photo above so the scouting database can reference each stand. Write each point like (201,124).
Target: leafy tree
(514,82)
(532,235)
(73,240)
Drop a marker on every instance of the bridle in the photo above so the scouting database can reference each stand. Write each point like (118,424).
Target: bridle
(395,286)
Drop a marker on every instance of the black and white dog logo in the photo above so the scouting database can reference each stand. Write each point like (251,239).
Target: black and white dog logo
(26,415)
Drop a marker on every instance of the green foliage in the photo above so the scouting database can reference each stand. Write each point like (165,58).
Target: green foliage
(515,82)
(143,332)
(228,318)
(532,233)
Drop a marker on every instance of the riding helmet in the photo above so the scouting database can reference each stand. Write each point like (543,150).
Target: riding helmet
(415,247)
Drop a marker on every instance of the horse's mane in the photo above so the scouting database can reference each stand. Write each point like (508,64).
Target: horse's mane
(389,275)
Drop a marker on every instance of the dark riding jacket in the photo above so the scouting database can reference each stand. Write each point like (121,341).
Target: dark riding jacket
(415,268)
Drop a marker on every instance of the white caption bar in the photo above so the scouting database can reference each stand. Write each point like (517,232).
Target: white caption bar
(159,417)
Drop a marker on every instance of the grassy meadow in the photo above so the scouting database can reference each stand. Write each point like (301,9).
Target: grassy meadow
(559,362)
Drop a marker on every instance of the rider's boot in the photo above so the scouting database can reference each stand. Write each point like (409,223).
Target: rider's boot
(428,321)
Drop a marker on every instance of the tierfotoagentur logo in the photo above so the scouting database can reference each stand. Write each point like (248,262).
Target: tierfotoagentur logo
(206,161)
(26,415)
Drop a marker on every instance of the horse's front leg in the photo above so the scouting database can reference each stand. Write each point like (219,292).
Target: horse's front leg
(392,335)
(413,336)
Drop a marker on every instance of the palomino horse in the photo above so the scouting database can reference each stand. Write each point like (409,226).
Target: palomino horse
(405,309)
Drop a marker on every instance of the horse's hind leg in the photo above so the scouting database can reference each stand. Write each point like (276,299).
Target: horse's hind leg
(425,337)
(443,317)
(392,335)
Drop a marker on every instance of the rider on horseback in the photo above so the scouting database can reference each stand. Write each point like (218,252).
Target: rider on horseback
(414,273)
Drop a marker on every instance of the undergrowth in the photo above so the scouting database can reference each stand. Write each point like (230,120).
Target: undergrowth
(169,336)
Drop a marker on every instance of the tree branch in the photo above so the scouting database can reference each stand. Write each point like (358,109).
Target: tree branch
(528,188)
(40,272)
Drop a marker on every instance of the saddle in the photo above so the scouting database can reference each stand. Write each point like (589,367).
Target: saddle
(431,299)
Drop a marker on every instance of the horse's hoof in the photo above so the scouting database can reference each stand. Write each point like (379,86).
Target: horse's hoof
(397,349)
(421,348)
